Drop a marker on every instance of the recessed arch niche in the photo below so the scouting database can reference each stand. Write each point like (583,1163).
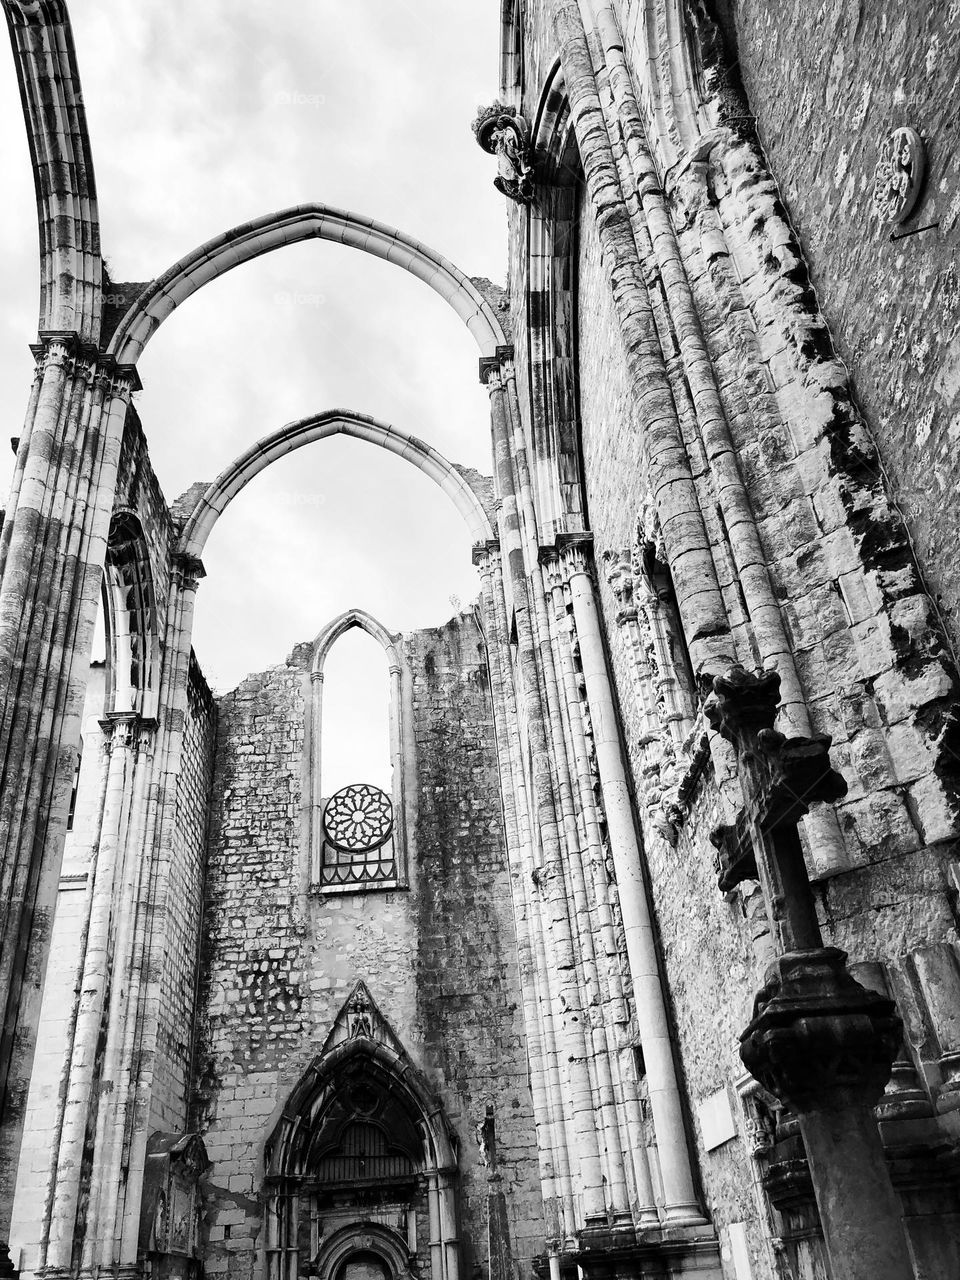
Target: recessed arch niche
(361,1161)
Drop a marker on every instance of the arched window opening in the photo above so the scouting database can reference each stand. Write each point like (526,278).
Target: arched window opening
(132,650)
(552,318)
(356,714)
(355,762)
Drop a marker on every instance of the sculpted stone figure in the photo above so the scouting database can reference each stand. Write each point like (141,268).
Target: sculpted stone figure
(506,135)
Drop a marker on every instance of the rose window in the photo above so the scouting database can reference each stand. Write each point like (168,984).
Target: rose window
(358,818)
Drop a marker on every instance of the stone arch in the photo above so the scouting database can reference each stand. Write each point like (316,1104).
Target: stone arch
(373,1238)
(390,869)
(552,314)
(290,226)
(130,620)
(346,621)
(71,268)
(362,1071)
(318,427)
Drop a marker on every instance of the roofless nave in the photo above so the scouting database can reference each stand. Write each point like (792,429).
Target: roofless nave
(644,962)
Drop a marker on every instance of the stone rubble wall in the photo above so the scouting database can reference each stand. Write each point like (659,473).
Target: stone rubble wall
(438,956)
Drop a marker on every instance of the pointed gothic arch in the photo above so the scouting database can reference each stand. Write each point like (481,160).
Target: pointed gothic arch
(363,1082)
(313,221)
(130,619)
(336,874)
(320,426)
(71,268)
(346,621)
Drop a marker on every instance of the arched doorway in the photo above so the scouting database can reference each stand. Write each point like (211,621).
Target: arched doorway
(360,1171)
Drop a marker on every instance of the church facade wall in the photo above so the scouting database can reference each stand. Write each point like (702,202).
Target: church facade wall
(438,954)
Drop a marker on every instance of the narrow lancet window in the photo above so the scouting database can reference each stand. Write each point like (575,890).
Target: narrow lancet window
(356,768)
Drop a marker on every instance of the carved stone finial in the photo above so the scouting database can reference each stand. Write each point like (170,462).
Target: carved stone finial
(504,133)
(898,175)
(359,1015)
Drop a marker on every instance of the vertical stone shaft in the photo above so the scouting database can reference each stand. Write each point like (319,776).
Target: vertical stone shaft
(589,928)
(117,1238)
(680,1201)
(98,971)
(517,840)
(52,567)
(631,1134)
(561,972)
(122,1013)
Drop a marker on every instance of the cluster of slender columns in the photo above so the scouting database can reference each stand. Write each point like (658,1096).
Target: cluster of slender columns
(51,566)
(571,815)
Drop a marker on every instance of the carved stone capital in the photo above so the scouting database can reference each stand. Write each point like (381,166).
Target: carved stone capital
(818,1040)
(190,570)
(899,175)
(490,375)
(484,553)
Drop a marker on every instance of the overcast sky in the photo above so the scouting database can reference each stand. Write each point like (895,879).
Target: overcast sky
(203,116)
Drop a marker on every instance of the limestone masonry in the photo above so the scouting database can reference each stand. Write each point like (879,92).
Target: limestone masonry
(644,962)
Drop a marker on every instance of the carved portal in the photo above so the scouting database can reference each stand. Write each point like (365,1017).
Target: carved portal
(360,1170)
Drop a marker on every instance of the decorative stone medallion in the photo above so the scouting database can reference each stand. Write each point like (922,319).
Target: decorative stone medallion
(358,818)
(898,175)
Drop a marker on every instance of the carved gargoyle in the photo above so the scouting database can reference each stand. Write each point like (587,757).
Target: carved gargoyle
(504,133)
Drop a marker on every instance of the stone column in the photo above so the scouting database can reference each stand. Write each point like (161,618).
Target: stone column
(680,1201)
(51,565)
(518,538)
(544,1079)
(98,972)
(818,1041)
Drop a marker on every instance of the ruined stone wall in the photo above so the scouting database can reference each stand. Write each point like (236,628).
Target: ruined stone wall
(827,83)
(437,956)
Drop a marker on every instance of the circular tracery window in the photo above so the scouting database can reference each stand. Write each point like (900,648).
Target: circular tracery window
(358,818)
